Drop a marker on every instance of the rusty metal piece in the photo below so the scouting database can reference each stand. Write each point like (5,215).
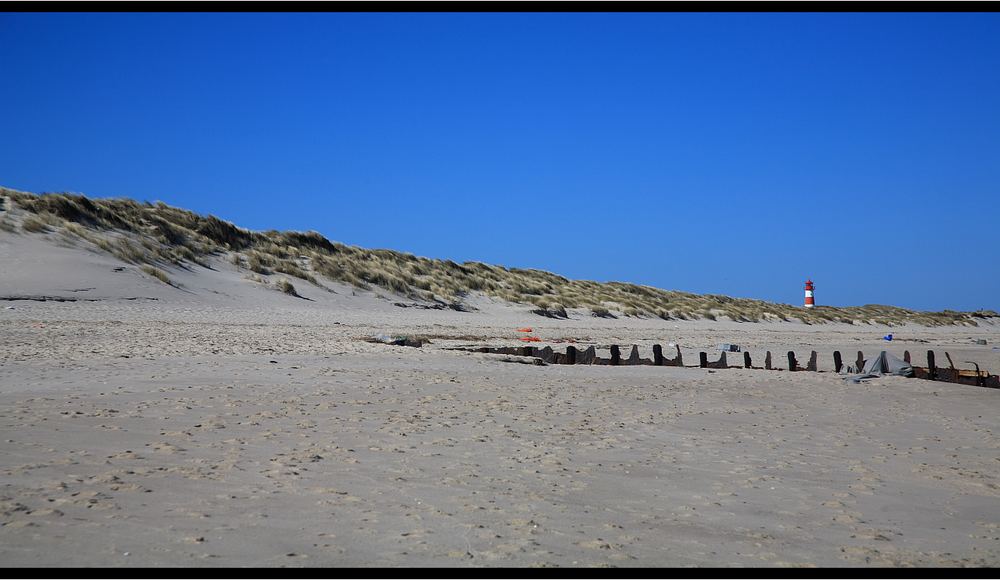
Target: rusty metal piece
(979,376)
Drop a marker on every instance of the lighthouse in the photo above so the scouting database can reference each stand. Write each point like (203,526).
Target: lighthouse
(809,294)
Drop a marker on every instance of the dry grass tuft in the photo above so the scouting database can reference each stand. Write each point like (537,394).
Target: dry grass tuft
(285,286)
(157,273)
(35,224)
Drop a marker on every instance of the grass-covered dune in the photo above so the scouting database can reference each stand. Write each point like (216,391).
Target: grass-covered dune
(156,235)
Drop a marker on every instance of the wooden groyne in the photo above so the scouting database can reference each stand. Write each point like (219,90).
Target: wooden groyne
(589,356)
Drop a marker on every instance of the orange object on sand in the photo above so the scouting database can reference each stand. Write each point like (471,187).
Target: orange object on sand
(525,329)
(530,339)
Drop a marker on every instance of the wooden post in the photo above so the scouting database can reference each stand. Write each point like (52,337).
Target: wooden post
(657,355)
(633,357)
(767,361)
(702,360)
(616,355)
(811,365)
(570,355)
(793,365)
(861,361)
(906,356)
(587,357)
(746,360)
(931,368)
(838,363)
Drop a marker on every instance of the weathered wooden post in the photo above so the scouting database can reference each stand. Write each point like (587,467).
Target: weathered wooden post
(860,361)
(633,356)
(616,355)
(587,357)
(767,361)
(657,355)
(811,365)
(570,355)
(838,363)
(746,360)
(702,360)
(931,368)
(906,356)
(793,365)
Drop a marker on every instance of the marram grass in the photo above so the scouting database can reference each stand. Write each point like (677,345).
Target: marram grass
(155,234)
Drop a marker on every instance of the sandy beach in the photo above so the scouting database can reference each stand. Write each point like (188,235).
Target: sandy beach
(221,424)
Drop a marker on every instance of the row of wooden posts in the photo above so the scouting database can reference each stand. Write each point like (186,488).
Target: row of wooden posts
(574,356)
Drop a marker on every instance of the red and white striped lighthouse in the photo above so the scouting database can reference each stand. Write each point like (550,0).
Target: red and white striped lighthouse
(809,294)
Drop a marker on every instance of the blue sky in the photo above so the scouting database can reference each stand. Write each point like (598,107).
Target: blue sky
(724,153)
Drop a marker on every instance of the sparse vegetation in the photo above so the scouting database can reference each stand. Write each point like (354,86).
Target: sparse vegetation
(285,286)
(155,233)
(156,273)
(601,312)
(34,224)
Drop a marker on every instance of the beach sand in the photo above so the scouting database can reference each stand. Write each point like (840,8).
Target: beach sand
(224,424)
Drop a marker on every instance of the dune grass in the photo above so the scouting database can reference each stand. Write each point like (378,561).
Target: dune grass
(287,287)
(156,273)
(155,233)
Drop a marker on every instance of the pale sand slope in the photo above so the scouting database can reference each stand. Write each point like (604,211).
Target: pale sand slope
(162,429)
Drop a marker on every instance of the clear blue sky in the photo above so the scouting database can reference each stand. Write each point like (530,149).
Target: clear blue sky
(723,153)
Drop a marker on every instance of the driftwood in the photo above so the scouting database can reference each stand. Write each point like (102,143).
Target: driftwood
(633,358)
(719,364)
(546,355)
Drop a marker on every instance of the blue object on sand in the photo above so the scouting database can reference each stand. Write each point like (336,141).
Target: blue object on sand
(887,337)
